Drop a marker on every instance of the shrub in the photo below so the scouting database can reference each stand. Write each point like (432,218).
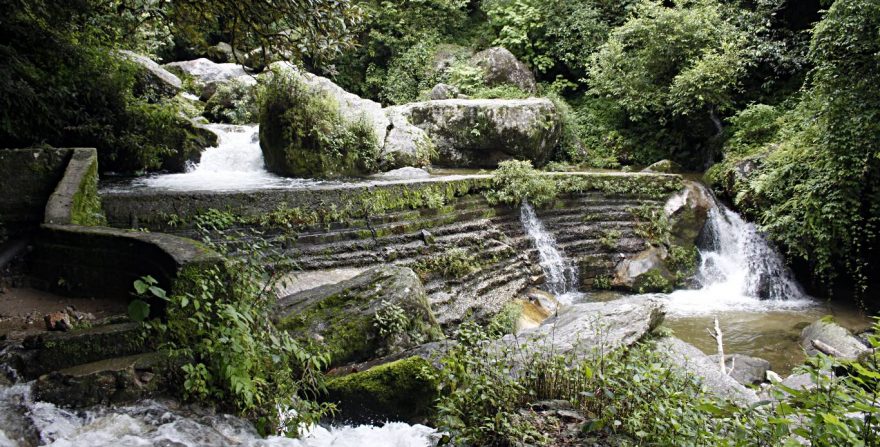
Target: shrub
(303,133)
(517,181)
(219,319)
(234,103)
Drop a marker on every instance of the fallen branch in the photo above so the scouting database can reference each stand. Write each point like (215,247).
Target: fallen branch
(719,336)
(825,348)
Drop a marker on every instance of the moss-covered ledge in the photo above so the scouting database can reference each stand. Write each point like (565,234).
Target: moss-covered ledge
(75,199)
(104,262)
(331,204)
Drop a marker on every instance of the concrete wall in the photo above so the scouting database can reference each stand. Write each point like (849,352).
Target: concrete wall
(27,179)
(51,194)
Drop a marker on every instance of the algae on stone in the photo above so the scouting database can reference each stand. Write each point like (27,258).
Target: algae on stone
(404,389)
(342,316)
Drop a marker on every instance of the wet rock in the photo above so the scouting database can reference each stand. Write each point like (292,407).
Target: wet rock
(405,173)
(112,381)
(687,212)
(664,167)
(57,321)
(744,369)
(382,311)
(479,133)
(684,358)
(550,405)
(153,79)
(397,390)
(444,91)
(826,333)
(588,328)
(645,271)
(45,352)
(427,237)
(500,67)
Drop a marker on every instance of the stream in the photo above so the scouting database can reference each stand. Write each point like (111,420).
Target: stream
(741,279)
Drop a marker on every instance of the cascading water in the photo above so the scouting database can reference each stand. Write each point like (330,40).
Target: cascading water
(151,423)
(235,164)
(561,274)
(739,270)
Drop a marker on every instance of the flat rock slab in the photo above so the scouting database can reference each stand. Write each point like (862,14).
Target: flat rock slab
(111,381)
(587,328)
(687,359)
(745,369)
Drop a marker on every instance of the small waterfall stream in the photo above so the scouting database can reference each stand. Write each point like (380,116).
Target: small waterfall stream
(561,274)
(739,270)
(235,164)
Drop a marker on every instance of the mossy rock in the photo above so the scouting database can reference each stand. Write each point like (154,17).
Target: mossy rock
(343,316)
(405,390)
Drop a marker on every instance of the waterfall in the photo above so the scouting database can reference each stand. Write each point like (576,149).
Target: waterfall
(738,270)
(560,272)
(236,163)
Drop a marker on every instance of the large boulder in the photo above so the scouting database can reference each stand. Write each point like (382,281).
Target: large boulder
(402,389)
(382,311)
(687,212)
(586,329)
(152,80)
(825,333)
(744,369)
(500,66)
(352,107)
(190,138)
(480,133)
(654,269)
(206,71)
(406,144)
(685,359)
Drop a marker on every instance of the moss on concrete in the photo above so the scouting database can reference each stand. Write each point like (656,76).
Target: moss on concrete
(405,389)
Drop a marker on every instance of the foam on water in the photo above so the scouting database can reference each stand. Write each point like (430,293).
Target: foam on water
(739,271)
(235,164)
(152,423)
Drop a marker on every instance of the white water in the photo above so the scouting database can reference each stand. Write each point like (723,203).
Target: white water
(738,271)
(152,423)
(561,274)
(235,164)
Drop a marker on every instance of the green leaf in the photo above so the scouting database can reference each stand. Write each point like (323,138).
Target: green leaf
(138,310)
(158,292)
(141,287)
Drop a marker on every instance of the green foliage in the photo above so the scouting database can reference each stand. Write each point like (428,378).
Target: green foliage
(610,239)
(304,133)
(454,263)
(390,320)
(814,182)
(218,316)
(516,181)
(234,102)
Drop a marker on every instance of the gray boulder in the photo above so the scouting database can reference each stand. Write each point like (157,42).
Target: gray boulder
(405,144)
(684,358)
(153,79)
(663,167)
(444,91)
(379,312)
(826,333)
(687,212)
(640,272)
(222,52)
(744,369)
(479,133)
(405,173)
(500,66)
(206,71)
(588,328)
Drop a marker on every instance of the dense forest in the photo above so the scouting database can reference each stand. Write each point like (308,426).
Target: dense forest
(774,104)
(777,99)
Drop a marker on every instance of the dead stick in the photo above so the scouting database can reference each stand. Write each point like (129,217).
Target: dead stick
(825,348)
